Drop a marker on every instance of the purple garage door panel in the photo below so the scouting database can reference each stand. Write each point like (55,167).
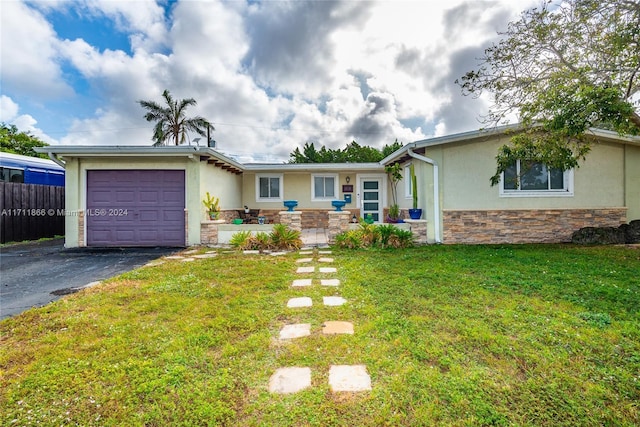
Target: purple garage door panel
(135,208)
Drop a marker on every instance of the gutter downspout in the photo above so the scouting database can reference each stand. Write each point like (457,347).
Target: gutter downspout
(436,191)
(56,159)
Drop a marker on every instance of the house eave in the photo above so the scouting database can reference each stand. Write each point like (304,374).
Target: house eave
(313,167)
(401,155)
(63,152)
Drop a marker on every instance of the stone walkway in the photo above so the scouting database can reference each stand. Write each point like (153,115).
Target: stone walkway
(342,378)
(313,237)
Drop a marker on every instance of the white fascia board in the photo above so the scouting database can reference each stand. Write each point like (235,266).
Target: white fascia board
(134,151)
(313,167)
(448,139)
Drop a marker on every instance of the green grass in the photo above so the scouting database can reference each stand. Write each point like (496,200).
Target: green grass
(451,335)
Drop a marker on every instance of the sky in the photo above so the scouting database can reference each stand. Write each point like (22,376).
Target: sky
(270,75)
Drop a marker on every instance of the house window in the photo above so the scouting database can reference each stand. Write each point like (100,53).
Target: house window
(324,187)
(408,190)
(269,188)
(533,178)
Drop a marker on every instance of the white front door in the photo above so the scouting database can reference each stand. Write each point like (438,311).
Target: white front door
(371,197)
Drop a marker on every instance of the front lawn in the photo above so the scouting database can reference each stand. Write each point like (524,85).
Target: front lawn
(451,335)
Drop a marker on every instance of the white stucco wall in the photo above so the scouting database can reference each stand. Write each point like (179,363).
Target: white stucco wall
(220,183)
(632,181)
(297,186)
(467,167)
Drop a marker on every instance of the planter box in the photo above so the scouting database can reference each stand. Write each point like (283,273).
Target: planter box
(226,231)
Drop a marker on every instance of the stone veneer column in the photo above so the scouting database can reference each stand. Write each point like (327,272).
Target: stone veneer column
(419,229)
(81,222)
(209,231)
(293,220)
(338,223)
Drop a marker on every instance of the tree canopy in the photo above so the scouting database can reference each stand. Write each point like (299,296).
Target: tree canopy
(12,141)
(564,69)
(172,123)
(352,153)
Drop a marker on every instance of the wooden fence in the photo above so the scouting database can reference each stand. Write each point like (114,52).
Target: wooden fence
(30,211)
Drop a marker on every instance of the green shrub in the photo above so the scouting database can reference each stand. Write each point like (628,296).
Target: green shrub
(240,240)
(369,235)
(283,237)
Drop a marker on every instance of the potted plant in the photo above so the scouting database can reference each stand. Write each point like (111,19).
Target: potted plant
(393,172)
(414,213)
(212,205)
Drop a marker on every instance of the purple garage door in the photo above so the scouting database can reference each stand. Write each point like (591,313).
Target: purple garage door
(135,208)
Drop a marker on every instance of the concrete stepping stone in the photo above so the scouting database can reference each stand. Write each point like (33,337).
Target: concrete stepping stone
(299,302)
(333,301)
(349,378)
(301,270)
(191,252)
(301,260)
(305,252)
(153,263)
(337,327)
(297,330)
(277,253)
(329,282)
(187,259)
(325,260)
(206,255)
(251,252)
(174,257)
(290,380)
(328,269)
(324,252)
(301,282)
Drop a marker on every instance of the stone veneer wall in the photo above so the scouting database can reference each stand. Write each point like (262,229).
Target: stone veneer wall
(81,222)
(419,229)
(209,232)
(338,223)
(292,220)
(311,218)
(524,225)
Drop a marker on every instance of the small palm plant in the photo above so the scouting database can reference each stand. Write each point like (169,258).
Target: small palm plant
(212,205)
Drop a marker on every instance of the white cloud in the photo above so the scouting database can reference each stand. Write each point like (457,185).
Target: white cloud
(29,54)
(24,122)
(271,75)
(8,109)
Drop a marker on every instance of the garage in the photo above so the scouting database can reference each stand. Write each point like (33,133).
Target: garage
(135,208)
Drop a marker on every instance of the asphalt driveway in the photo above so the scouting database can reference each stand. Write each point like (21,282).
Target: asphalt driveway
(34,274)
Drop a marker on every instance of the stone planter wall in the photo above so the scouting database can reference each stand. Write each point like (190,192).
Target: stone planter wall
(418,228)
(292,220)
(338,223)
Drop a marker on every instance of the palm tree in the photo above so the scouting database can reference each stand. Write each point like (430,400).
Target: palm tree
(171,121)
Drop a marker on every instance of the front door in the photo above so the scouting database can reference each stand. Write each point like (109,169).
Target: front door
(371,198)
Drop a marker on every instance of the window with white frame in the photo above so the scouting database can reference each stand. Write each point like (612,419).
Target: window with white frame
(324,187)
(269,188)
(527,178)
(408,186)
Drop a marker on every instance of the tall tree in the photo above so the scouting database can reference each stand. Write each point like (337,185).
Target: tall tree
(352,153)
(564,68)
(12,141)
(172,124)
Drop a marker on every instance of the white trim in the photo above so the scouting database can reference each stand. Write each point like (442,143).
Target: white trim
(335,187)
(383,191)
(408,194)
(269,199)
(436,192)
